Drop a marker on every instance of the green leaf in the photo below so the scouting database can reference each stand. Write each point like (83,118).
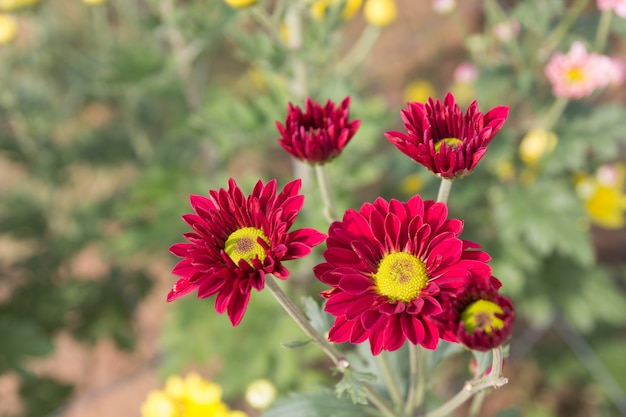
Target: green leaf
(319,404)
(352,386)
(598,131)
(295,345)
(26,339)
(545,217)
(538,15)
(43,395)
(319,319)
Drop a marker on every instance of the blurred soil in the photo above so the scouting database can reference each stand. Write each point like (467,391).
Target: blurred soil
(110,382)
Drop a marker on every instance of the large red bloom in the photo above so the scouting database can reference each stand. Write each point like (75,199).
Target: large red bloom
(479,317)
(445,141)
(320,133)
(388,264)
(237,240)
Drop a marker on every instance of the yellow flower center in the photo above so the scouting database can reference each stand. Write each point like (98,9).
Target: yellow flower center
(575,75)
(401,276)
(450,142)
(242,244)
(481,315)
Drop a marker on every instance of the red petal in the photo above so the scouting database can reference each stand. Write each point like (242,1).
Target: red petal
(412,328)
(355,284)
(181,288)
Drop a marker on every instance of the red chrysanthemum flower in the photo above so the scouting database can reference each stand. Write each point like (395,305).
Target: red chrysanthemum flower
(444,140)
(479,317)
(237,240)
(388,263)
(320,133)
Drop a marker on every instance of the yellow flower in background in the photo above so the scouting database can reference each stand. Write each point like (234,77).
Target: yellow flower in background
(158,404)
(350,8)
(412,184)
(9,5)
(603,195)
(189,397)
(504,170)
(419,91)
(94,2)
(8,28)
(380,12)
(260,394)
(240,3)
(536,144)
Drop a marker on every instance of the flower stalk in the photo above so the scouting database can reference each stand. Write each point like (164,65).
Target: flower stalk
(330,212)
(444,190)
(417,379)
(604,27)
(294,312)
(493,379)
(390,379)
(335,356)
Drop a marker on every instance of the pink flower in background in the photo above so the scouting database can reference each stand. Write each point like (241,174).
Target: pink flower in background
(578,73)
(612,71)
(507,30)
(466,73)
(618,6)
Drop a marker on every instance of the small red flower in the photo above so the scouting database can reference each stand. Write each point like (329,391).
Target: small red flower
(320,133)
(388,263)
(445,141)
(237,240)
(479,317)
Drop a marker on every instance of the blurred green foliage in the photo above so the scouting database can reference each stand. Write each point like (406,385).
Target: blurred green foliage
(110,116)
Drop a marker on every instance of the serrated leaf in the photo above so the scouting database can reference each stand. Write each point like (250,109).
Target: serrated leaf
(538,15)
(319,404)
(296,344)
(351,386)
(598,131)
(545,216)
(319,319)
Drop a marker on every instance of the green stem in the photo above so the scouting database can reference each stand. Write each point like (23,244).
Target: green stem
(390,380)
(604,27)
(182,58)
(590,359)
(338,360)
(477,403)
(562,29)
(330,212)
(494,379)
(498,13)
(297,316)
(360,50)
(264,20)
(444,190)
(421,379)
(378,401)
(293,20)
(417,379)
(554,113)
